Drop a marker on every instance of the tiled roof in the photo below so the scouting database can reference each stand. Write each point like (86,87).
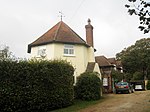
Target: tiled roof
(60,33)
(112,60)
(116,62)
(90,67)
(102,61)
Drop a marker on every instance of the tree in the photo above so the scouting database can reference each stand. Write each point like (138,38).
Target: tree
(137,76)
(128,77)
(136,58)
(117,76)
(5,52)
(140,8)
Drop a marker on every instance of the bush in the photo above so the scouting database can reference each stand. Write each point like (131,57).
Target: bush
(88,86)
(35,85)
(148,85)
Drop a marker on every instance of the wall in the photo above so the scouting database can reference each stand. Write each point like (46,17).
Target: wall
(82,56)
(49,51)
(79,60)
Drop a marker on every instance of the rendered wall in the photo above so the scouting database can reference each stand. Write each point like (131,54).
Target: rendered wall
(82,55)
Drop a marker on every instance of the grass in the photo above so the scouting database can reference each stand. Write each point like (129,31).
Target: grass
(78,105)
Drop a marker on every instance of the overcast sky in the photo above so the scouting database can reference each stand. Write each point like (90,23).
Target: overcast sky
(23,21)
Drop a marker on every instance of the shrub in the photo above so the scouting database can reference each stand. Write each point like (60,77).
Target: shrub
(35,85)
(148,85)
(88,86)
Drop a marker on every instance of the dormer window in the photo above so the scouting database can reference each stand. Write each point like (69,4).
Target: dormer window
(69,50)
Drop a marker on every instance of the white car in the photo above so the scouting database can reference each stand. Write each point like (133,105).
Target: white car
(138,87)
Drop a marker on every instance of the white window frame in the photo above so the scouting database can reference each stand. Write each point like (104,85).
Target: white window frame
(69,50)
(40,50)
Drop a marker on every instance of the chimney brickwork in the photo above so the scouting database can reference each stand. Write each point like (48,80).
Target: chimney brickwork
(89,33)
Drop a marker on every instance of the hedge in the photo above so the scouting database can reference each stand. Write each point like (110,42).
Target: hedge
(88,86)
(35,86)
(148,85)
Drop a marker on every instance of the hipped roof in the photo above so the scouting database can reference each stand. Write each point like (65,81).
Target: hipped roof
(102,61)
(60,33)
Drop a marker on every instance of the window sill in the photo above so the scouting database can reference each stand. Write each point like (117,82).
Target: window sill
(68,55)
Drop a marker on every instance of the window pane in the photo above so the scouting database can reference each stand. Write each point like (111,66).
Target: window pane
(65,51)
(71,51)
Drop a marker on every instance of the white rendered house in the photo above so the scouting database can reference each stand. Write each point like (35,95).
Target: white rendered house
(61,42)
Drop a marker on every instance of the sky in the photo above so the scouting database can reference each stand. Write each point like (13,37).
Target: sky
(23,21)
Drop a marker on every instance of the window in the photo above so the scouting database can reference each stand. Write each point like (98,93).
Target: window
(69,50)
(41,51)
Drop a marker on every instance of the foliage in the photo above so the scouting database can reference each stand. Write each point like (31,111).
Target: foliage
(141,8)
(138,76)
(136,57)
(88,86)
(148,85)
(117,75)
(5,52)
(35,86)
(128,77)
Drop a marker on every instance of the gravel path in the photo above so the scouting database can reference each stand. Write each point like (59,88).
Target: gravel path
(135,102)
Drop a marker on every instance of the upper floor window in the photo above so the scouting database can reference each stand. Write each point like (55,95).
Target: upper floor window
(69,50)
(41,51)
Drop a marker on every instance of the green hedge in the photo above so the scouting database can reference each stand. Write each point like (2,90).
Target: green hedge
(148,85)
(35,86)
(88,86)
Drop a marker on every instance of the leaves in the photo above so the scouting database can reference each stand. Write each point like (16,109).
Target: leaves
(132,0)
(88,86)
(35,86)
(142,10)
(127,6)
(146,31)
(147,5)
(141,28)
(137,57)
(132,11)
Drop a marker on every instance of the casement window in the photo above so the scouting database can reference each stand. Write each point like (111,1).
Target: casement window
(69,50)
(41,51)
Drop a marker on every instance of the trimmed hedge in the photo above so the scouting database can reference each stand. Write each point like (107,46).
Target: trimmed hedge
(148,85)
(88,86)
(35,86)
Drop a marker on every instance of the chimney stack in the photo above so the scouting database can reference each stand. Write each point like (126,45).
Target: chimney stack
(89,33)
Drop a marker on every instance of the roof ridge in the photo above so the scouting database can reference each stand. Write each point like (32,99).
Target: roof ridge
(55,36)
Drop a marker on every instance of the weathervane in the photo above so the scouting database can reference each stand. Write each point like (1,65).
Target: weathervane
(61,15)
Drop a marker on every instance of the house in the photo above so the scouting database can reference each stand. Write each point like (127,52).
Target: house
(117,63)
(61,42)
(107,65)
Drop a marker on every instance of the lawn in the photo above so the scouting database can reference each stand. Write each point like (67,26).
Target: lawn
(78,105)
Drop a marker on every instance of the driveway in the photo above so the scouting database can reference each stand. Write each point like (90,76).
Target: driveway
(135,102)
